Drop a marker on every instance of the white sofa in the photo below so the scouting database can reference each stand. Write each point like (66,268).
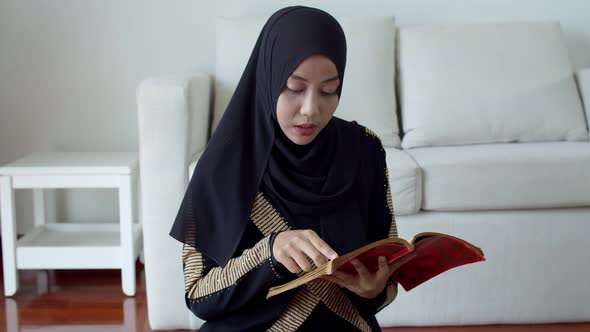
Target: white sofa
(495,150)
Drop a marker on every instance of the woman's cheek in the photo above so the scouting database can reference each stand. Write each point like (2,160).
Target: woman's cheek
(330,105)
(285,106)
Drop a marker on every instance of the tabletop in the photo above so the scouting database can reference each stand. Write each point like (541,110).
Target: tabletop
(47,163)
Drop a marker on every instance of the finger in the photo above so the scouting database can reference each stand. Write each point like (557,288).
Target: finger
(321,245)
(301,260)
(291,265)
(383,267)
(361,269)
(312,252)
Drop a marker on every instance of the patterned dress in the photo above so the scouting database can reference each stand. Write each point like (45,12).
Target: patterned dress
(233,297)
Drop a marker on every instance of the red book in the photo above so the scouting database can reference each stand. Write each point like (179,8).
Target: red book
(435,254)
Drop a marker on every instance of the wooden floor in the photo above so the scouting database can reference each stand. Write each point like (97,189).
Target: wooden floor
(92,300)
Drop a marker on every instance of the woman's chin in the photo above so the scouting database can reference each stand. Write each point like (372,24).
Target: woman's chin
(300,139)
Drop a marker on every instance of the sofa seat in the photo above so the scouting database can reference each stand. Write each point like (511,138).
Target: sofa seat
(504,176)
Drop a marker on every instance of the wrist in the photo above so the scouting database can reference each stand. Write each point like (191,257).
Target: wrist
(279,267)
(372,296)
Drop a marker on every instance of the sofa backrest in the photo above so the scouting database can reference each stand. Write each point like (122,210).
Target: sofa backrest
(368,94)
(485,83)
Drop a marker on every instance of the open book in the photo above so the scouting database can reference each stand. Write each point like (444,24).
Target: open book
(435,254)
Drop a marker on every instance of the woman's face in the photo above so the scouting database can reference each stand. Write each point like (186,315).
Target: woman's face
(309,99)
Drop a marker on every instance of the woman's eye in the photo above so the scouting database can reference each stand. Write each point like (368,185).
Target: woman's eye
(329,93)
(295,90)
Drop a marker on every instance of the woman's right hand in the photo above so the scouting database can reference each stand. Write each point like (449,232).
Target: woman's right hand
(292,249)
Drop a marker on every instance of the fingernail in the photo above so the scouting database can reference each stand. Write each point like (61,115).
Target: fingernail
(381,259)
(354,261)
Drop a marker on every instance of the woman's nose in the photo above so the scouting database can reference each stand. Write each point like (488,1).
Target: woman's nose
(310,106)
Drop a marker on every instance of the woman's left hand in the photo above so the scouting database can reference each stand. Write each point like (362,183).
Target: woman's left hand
(365,283)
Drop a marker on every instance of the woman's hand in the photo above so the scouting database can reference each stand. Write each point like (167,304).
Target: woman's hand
(365,283)
(293,248)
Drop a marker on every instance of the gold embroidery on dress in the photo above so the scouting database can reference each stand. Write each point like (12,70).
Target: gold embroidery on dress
(392,227)
(297,311)
(333,297)
(372,133)
(218,278)
(193,266)
(267,219)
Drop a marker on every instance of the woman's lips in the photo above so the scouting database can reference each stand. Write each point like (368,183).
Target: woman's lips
(306,129)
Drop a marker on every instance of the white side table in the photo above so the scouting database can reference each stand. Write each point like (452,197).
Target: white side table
(70,245)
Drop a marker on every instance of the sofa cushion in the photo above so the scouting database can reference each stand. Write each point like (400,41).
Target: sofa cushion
(405,182)
(505,176)
(485,83)
(368,93)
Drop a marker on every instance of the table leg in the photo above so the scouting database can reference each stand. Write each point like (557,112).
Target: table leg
(126,224)
(39,206)
(8,235)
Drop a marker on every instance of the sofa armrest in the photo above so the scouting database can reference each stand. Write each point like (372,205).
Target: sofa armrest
(583,79)
(173,118)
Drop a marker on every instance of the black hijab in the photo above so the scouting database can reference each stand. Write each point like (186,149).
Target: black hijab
(249,151)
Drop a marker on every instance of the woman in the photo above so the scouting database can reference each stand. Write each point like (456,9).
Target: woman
(283,187)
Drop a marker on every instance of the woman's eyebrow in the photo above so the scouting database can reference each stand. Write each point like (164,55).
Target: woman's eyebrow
(324,81)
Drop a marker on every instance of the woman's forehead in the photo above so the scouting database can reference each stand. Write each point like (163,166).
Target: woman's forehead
(316,67)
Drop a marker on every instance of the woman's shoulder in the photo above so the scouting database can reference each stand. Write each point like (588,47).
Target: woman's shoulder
(372,138)
(373,147)
(369,137)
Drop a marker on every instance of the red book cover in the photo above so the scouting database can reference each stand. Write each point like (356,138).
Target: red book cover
(435,254)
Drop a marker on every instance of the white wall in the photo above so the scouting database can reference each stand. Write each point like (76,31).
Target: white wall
(69,68)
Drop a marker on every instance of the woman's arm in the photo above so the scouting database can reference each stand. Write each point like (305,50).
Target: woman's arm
(211,291)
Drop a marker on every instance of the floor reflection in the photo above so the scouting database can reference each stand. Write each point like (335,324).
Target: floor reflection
(48,300)
(13,325)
